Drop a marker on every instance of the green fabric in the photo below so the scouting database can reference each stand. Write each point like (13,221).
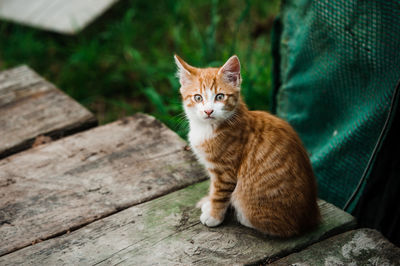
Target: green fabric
(336,68)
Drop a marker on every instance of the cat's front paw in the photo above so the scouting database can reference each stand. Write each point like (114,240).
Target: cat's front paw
(206,218)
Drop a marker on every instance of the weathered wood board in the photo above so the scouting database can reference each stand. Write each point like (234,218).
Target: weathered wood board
(358,247)
(30,106)
(63,185)
(167,231)
(67,17)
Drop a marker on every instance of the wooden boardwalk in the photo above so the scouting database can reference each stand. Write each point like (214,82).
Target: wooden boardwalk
(31,106)
(66,17)
(124,193)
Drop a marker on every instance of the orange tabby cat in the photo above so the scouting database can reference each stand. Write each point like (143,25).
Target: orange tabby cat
(256,161)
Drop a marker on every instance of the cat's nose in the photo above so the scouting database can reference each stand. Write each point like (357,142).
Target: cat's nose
(208,112)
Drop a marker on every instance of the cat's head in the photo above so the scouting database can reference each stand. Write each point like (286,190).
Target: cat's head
(210,95)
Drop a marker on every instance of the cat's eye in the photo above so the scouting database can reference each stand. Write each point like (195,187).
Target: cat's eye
(198,98)
(219,97)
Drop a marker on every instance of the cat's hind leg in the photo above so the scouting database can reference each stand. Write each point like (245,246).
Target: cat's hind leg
(239,211)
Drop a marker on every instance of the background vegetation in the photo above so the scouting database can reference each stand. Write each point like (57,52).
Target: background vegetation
(123,63)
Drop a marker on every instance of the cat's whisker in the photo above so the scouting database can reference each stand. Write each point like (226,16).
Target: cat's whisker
(181,121)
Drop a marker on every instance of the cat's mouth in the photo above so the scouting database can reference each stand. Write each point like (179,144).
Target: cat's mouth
(209,117)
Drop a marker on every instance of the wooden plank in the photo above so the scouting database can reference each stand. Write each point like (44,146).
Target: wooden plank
(61,186)
(30,106)
(167,231)
(66,17)
(358,247)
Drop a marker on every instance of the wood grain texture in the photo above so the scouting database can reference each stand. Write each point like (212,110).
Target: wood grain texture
(63,185)
(167,231)
(30,106)
(67,17)
(358,247)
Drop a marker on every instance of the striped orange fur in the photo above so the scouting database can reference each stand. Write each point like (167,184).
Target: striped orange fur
(256,161)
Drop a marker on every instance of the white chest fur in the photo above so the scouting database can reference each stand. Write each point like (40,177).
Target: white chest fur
(200,132)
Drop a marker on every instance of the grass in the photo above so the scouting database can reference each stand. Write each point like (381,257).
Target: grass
(123,63)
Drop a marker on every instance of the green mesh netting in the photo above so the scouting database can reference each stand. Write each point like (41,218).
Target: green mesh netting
(336,68)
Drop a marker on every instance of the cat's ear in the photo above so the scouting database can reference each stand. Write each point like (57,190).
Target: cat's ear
(230,71)
(185,71)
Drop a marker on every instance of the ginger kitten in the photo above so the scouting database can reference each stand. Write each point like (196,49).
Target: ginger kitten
(256,161)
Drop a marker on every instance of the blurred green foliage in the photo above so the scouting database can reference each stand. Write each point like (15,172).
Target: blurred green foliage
(123,62)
